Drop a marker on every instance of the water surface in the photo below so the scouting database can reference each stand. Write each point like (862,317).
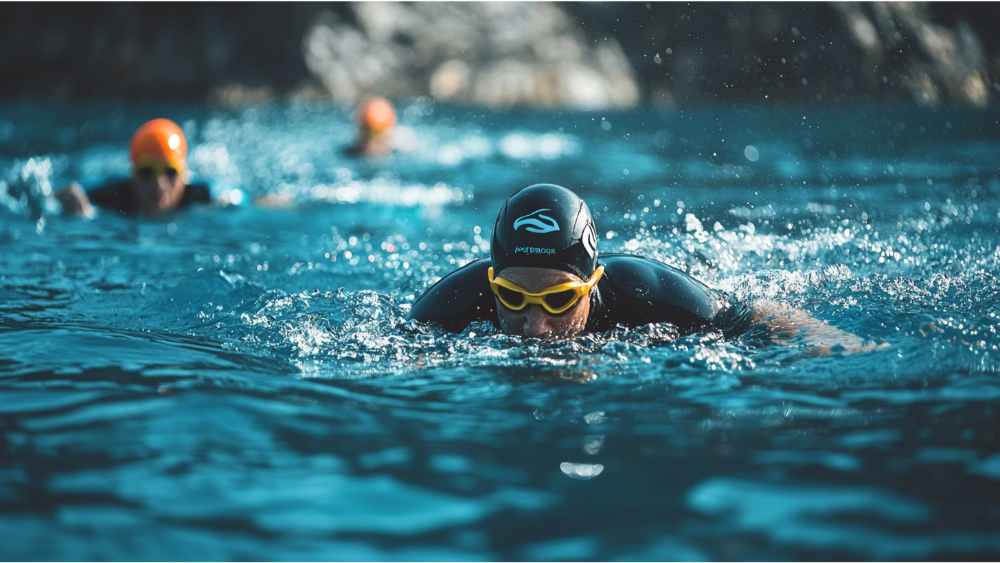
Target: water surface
(241,383)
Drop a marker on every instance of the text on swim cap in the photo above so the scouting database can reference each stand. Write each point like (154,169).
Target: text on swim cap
(533,250)
(539,224)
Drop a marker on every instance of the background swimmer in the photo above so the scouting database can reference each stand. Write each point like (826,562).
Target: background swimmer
(159,181)
(376,121)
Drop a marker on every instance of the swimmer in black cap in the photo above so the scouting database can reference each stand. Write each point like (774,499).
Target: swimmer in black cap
(544,280)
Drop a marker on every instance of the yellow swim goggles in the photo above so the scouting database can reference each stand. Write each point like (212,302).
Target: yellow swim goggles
(147,168)
(556,299)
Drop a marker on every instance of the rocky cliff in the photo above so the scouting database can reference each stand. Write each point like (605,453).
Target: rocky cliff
(584,56)
(490,54)
(808,52)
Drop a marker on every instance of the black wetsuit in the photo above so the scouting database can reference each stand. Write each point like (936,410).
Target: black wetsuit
(634,291)
(118,195)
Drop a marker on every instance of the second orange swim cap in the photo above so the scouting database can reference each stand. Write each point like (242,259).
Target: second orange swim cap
(376,114)
(160,140)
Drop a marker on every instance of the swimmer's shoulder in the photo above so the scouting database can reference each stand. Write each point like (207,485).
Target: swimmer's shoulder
(115,194)
(458,299)
(197,193)
(646,290)
(645,278)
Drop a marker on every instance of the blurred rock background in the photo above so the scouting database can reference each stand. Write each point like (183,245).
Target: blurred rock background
(574,55)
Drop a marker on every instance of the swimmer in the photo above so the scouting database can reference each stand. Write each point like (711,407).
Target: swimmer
(544,279)
(376,119)
(159,181)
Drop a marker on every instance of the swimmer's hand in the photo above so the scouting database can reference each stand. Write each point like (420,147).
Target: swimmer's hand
(789,325)
(74,200)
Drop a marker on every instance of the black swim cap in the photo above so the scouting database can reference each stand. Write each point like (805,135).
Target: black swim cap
(545,226)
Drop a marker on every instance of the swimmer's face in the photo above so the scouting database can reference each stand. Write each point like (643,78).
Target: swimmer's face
(158,189)
(533,320)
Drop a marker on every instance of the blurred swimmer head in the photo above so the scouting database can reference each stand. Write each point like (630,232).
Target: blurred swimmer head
(375,116)
(159,165)
(159,141)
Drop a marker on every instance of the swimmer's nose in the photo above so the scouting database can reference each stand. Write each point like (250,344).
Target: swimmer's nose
(536,323)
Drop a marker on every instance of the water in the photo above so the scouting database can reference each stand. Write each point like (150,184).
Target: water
(242,384)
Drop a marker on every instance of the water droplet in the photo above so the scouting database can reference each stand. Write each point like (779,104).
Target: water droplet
(581,471)
(593,443)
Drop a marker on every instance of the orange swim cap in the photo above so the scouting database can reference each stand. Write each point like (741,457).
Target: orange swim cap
(161,141)
(376,115)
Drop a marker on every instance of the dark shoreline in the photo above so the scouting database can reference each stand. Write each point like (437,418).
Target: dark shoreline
(646,54)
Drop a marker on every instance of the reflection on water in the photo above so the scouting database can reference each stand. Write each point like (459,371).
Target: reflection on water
(821,518)
(242,383)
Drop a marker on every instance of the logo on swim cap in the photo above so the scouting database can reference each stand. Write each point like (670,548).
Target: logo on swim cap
(537,225)
(590,239)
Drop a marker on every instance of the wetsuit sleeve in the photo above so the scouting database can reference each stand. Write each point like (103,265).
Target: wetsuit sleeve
(195,193)
(457,300)
(736,320)
(115,195)
(641,291)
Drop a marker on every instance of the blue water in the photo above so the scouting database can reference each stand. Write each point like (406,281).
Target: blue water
(241,383)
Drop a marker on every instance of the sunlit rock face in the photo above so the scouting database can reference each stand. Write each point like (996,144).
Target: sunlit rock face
(488,54)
